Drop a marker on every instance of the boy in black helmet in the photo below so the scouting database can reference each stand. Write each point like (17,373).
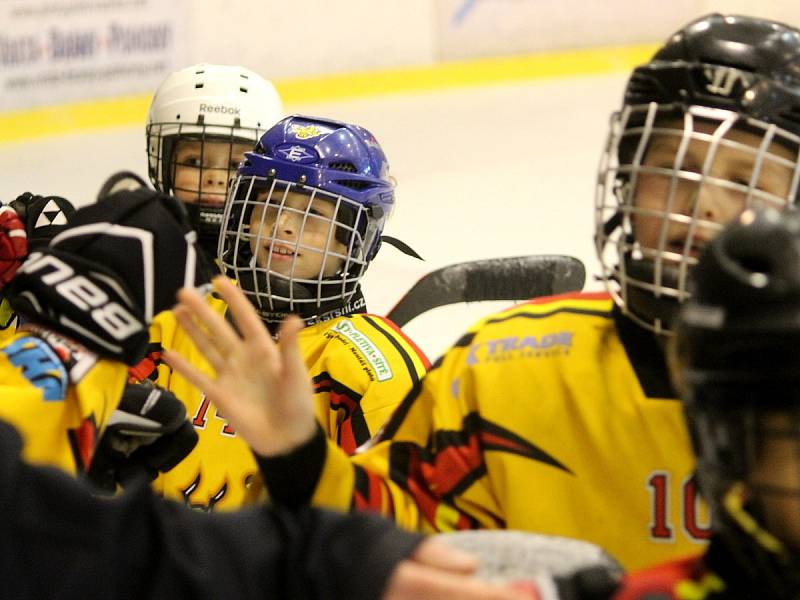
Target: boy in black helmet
(559,416)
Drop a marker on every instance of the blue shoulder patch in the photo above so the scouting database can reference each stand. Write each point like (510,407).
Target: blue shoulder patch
(40,366)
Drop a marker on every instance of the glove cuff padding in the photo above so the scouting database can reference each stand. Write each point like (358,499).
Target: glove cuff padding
(147,409)
(83,300)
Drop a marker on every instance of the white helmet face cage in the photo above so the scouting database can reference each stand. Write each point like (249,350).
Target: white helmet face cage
(293,248)
(196,162)
(669,180)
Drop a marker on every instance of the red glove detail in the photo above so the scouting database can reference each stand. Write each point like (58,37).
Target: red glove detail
(13,244)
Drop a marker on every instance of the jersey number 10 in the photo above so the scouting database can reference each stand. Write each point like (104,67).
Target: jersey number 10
(660,526)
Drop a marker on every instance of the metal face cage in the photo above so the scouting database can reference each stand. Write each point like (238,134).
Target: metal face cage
(670,178)
(293,248)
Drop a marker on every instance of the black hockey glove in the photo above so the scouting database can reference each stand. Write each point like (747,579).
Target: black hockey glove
(598,582)
(44,216)
(147,434)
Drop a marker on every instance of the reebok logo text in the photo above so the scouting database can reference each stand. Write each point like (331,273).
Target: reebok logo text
(219,108)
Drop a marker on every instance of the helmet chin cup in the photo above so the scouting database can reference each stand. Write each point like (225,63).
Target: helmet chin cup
(206,220)
(651,309)
(282,291)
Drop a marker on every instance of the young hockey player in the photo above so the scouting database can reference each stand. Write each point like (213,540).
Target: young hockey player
(558,416)
(62,377)
(737,369)
(202,120)
(85,300)
(303,222)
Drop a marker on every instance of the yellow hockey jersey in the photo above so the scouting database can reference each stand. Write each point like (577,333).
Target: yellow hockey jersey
(556,417)
(361,365)
(59,397)
(8,320)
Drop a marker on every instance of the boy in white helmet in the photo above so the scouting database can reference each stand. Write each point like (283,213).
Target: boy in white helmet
(202,120)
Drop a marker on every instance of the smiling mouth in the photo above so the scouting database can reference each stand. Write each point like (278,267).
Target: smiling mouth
(281,252)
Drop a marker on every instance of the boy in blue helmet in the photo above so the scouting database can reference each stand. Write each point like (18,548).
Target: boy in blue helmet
(302,223)
(558,416)
(305,219)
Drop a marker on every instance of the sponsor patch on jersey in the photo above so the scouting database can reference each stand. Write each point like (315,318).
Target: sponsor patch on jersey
(368,349)
(529,346)
(40,365)
(77,359)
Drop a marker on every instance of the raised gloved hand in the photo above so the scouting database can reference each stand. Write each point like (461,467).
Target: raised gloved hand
(13,244)
(43,216)
(147,434)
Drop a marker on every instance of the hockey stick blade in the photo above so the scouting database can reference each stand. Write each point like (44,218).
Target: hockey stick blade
(508,278)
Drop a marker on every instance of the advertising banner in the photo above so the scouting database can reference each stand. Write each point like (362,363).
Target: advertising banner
(56,51)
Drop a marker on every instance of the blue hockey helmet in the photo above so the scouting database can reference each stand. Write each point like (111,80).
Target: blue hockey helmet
(331,179)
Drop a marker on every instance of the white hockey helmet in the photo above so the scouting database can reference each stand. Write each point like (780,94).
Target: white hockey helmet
(208,100)
(207,103)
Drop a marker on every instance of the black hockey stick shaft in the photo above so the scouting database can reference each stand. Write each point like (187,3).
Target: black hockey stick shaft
(507,278)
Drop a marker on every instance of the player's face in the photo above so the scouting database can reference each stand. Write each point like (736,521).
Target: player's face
(717,205)
(295,231)
(778,470)
(203,169)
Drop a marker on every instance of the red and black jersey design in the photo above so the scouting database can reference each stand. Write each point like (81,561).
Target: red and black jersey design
(83,440)
(686,579)
(353,429)
(449,464)
(147,368)
(361,367)
(549,417)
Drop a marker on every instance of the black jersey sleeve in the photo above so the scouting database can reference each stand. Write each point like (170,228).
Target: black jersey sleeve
(59,541)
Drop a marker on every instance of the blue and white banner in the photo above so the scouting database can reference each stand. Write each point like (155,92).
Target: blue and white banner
(474,28)
(55,51)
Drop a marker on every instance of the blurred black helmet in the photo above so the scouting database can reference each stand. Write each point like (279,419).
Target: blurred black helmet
(736,346)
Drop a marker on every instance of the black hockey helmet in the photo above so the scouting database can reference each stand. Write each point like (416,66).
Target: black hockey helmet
(722,84)
(736,345)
